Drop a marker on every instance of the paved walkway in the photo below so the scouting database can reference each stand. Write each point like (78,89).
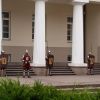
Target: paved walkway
(62,81)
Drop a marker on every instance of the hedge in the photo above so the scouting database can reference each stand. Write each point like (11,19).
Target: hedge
(13,90)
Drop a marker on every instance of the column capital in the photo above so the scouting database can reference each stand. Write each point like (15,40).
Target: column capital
(80,2)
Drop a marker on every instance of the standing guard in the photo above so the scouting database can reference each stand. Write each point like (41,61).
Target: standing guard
(91,61)
(49,61)
(26,64)
(3,63)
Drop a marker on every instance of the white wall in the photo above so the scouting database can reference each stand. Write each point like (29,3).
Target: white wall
(93,29)
(21,23)
(56,15)
(56,24)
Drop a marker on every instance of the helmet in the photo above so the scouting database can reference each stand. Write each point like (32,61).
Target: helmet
(26,51)
(2,51)
(49,51)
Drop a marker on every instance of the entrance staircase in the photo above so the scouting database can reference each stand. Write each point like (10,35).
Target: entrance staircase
(61,69)
(96,70)
(64,69)
(15,69)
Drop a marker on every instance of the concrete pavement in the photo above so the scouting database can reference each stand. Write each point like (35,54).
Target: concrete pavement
(62,81)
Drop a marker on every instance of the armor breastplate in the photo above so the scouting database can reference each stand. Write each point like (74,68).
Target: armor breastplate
(4,60)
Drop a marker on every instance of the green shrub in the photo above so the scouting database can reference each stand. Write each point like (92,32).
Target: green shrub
(41,92)
(13,90)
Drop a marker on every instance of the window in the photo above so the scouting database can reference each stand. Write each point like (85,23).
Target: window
(69,29)
(33,21)
(6,25)
(69,58)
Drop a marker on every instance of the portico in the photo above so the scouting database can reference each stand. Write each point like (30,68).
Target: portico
(50,26)
(39,40)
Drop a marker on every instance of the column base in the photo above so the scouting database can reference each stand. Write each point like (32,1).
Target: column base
(40,71)
(79,69)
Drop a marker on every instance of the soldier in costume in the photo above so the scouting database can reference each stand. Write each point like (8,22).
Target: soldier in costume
(91,61)
(49,61)
(26,63)
(3,63)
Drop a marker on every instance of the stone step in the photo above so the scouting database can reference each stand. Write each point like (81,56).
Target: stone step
(18,74)
(96,70)
(95,73)
(16,69)
(62,74)
(13,71)
(61,70)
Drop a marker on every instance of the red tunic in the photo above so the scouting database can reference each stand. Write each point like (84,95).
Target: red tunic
(26,61)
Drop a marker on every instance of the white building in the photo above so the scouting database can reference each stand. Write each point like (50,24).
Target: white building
(66,27)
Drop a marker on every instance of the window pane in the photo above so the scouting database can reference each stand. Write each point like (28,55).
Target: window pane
(69,58)
(69,19)
(33,17)
(5,29)
(5,15)
(32,24)
(68,32)
(5,22)
(32,36)
(69,26)
(5,35)
(32,30)
(68,37)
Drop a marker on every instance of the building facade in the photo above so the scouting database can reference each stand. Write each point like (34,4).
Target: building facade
(70,29)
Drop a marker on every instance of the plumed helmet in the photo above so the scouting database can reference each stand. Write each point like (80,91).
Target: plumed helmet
(90,52)
(2,51)
(26,51)
(49,51)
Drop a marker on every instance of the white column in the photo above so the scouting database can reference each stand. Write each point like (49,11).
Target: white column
(78,35)
(0,26)
(39,35)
